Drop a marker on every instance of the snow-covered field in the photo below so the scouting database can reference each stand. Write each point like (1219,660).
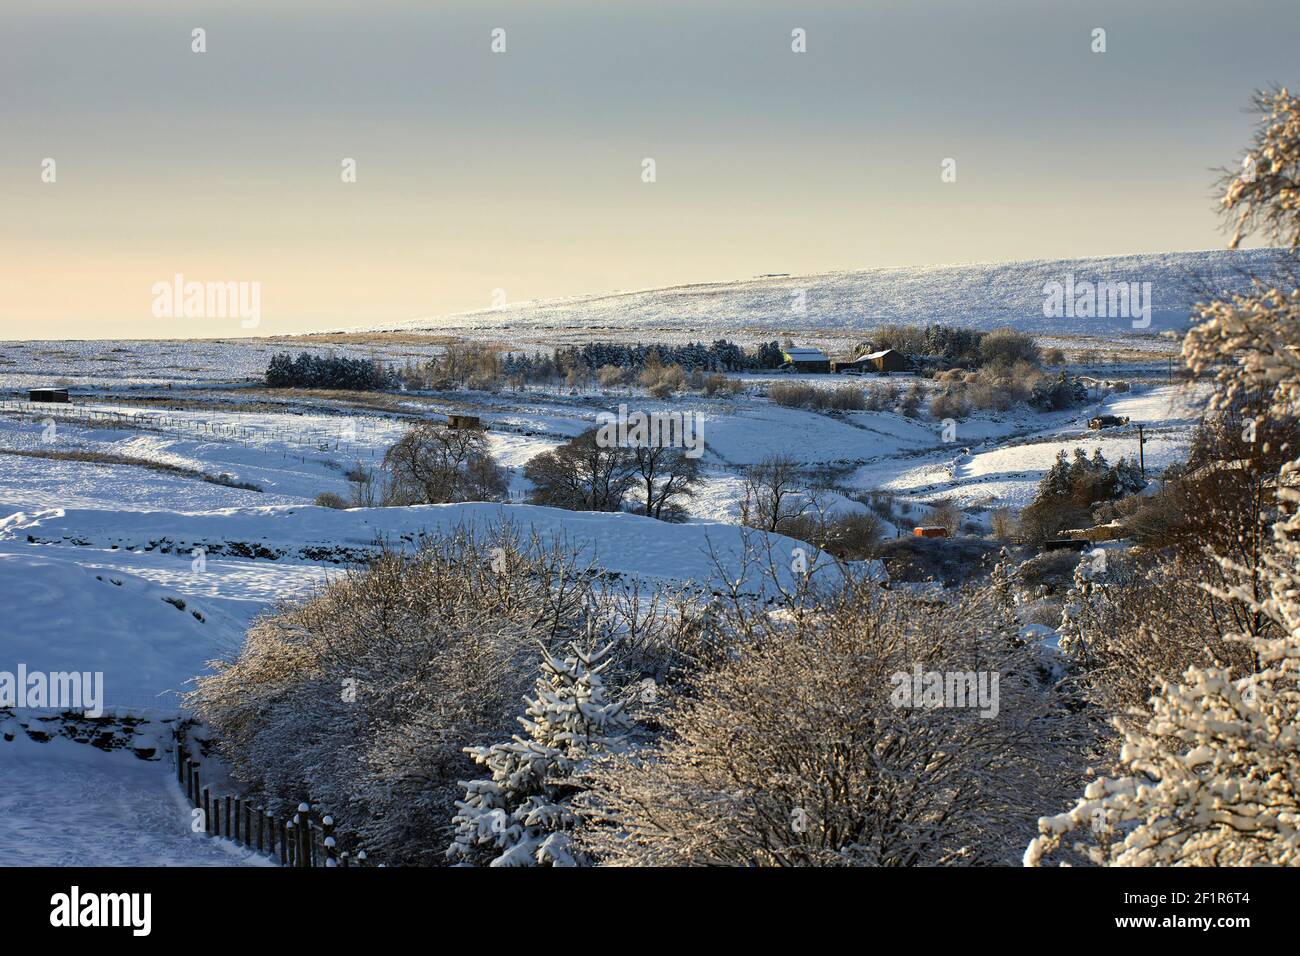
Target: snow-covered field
(990,472)
(96,558)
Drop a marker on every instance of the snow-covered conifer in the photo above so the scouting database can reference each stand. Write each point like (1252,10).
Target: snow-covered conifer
(520,815)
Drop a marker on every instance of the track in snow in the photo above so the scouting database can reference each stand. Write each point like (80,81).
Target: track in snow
(68,804)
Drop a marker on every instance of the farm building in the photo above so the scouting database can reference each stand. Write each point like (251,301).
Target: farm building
(58,395)
(930,532)
(888,360)
(856,365)
(467,422)
(806,360)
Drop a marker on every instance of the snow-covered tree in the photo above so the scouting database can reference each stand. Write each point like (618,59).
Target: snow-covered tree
(520,815)
(1213,778)
(1263,194)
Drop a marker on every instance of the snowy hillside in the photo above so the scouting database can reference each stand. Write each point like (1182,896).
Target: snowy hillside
(983,295)
(120,591)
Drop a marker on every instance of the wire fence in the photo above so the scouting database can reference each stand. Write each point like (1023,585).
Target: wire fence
(347,439)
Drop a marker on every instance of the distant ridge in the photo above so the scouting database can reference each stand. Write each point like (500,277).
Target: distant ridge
(978,295)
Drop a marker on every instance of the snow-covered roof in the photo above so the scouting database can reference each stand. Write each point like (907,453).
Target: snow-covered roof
(805,355)
(876,355)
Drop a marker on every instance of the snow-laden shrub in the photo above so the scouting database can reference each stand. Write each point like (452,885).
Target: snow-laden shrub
(791,394)
(610,376)
(1129,626)
(1210,778)
(795,750)
(364,696)
(520,815)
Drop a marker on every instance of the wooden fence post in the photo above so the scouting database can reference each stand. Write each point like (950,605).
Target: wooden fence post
(227,830)
(303,819)
(248,824)
(328,843)
(285,827)
(261,826)
(239,813)
(207,808)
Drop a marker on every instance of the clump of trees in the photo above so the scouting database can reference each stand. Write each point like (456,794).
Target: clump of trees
(1001,387)
(779,498)
(433,464)
(585,474)
(1065,391)
(974,370)
(719,356)
(326,371)
(1072,488)
(457,364)
(945,347)
(661,380)
(661,369)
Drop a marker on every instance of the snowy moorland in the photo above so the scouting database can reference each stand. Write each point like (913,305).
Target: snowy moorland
(979,295)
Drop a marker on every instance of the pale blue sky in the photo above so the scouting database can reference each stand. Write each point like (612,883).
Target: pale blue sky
(521,171)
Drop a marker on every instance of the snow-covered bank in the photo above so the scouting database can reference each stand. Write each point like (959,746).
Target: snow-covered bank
(122,592)
(626,544)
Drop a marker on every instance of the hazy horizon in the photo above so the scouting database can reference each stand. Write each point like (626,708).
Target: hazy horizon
(519,174)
